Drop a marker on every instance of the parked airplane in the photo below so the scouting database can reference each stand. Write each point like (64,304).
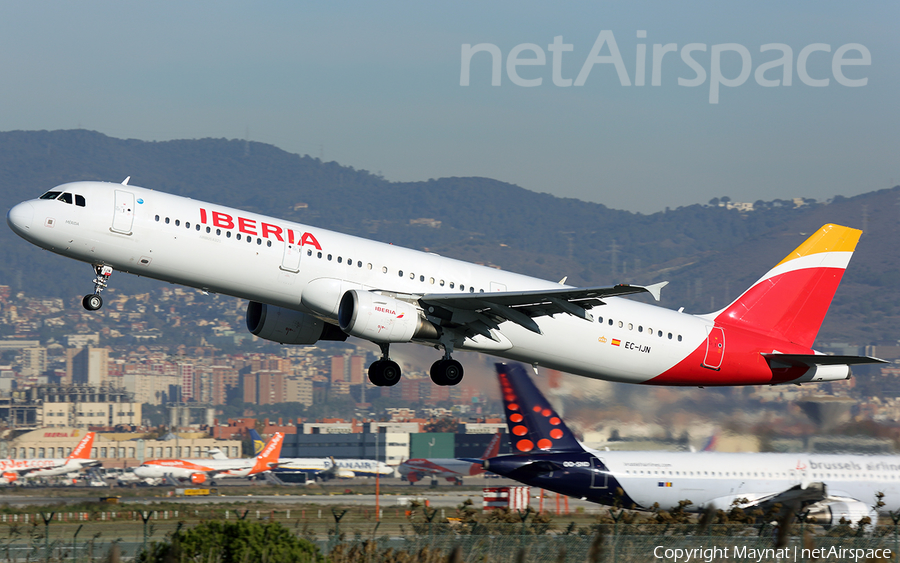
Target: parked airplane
(199,471)
(451,469)
(307,284)
(326,468)
(12,470)
(826,487)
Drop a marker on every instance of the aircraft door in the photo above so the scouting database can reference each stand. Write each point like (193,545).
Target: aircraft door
(123,216)
(599,476)
(715,348)
(290,262)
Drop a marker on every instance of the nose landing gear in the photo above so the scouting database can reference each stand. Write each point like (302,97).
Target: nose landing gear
(93,301)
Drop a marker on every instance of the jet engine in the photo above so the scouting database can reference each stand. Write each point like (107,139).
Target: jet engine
(830,511)
(198,478)
(287,326)
(383,319)
(9,477)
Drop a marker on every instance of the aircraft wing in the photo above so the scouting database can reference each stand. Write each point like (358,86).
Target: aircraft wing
(795,496)
(480,312)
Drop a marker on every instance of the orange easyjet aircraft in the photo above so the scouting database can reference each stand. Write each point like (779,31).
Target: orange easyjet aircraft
(199,471)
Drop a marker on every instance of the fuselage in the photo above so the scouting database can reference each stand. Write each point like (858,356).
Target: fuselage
(32,468)
(229,251)
(186,468)
(350,467)
(445,468)
(714,479)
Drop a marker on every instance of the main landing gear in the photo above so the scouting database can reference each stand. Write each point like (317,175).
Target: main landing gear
(93,301)
(446,371)
(386,372)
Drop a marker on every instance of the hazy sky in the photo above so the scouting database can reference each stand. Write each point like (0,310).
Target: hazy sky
(378,85)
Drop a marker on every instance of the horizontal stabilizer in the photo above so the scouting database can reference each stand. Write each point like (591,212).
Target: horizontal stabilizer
(821,360)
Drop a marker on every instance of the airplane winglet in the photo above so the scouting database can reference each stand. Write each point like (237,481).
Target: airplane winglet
(655,289)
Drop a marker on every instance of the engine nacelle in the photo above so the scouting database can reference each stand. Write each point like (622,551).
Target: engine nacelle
(9,477)
(344,473)
(830,511)
(287,326)
(198,478)
(383,319)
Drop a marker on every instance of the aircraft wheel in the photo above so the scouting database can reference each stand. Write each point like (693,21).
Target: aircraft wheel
(92,302)
(384,373)
(390,373)
(446,372)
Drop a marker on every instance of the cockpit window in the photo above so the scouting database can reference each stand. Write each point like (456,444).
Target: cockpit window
(66,197)
(50,195)
(79,200)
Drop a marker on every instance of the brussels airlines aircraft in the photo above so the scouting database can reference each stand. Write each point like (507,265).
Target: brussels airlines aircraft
(307,284)
(12,470)
(451,469)
(826,487)
(198,471)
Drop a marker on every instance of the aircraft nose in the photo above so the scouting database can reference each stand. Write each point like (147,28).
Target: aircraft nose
(20,217)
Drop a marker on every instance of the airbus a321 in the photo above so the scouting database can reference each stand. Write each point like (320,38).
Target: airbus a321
(12,470)
(825,488)
(306,284)
(200,471)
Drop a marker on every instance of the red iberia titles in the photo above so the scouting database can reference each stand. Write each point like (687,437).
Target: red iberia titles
(257,228)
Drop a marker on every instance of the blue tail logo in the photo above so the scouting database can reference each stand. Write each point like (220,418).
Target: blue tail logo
(258,443)
(533,423)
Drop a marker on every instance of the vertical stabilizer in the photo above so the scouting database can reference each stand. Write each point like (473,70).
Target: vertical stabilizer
(493,447)
(268,458)
(791,300)
(83,449)
(533,424)
(258,443)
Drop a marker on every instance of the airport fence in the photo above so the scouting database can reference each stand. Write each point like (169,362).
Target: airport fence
(476,542)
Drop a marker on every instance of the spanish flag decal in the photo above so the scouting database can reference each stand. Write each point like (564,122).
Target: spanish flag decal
(616,342)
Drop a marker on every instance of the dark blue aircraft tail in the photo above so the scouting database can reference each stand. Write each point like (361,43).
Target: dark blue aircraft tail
(258,443)
(533,424)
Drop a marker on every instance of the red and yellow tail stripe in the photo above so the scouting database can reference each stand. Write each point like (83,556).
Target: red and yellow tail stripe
(791,300)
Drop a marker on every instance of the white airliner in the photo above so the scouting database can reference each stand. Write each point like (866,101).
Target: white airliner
(325,468)
(824,487)
(450,469)
(307,284)
(12,470)
(199,471)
